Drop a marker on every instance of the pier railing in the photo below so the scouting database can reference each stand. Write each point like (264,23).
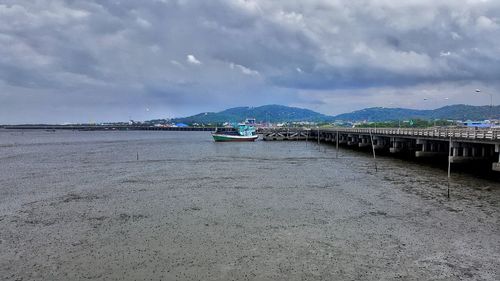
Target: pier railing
(441,133)
(462,133)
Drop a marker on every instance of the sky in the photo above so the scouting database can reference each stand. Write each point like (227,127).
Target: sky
(93,61)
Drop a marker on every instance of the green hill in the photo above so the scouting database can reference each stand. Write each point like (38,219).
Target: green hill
(271,113)
(464,112)
(280,113)
(383,114)
(451,112)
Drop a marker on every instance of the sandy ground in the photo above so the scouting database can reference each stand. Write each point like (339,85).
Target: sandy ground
(90,211)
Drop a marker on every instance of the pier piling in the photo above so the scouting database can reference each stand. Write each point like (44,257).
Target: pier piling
(373,149)
(337,145)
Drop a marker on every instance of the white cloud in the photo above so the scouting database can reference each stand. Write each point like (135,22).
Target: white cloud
(486,23)
(176,63)
(243,69)
(455,36)
(192,59)
(143,23)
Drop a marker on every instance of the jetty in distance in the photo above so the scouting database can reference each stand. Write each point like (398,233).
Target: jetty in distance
(461,145)
(111,127)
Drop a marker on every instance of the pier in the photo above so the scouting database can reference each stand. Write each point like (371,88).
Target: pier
(134,127)
(461,145)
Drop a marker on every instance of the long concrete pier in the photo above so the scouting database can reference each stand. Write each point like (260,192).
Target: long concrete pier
(134,127)
(459,144)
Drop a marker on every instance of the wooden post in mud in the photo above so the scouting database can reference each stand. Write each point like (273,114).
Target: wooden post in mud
(337,144)
(137,155)
(449,159)
(318,135)
(373,149)
(449,167)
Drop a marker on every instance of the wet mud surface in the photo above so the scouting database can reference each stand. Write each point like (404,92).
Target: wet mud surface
(80,206)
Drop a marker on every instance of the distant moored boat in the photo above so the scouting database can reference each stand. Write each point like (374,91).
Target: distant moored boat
(242,132)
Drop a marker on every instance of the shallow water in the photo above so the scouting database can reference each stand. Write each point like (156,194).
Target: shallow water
(79,205)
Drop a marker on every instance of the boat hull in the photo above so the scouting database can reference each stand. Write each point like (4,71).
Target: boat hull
(228,138)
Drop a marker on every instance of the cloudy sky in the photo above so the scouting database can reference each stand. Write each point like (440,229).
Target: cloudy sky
(84,60)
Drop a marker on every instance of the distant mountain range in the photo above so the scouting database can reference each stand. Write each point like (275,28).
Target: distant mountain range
(451,112)
(266,113)
(280,113)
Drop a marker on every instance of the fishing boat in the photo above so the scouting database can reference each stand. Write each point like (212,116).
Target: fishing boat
(242,132)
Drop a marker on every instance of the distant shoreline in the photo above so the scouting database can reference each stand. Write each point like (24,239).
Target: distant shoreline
(106,128)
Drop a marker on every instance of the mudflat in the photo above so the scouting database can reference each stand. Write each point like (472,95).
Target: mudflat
(177,206)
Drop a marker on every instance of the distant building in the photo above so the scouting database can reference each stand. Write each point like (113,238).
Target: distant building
(181,125)
(478,124)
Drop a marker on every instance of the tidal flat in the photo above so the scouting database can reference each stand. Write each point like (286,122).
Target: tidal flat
(177,206)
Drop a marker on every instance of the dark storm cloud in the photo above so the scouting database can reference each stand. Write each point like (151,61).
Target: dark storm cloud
(111,59)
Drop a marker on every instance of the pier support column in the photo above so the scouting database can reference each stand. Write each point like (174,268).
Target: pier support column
(465,149)
(429,149)
(455,150)
(342,139)
(496,166)
(352,139)
(464,152)
(379,142)
(364,141)
(396,146)
(333,137)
